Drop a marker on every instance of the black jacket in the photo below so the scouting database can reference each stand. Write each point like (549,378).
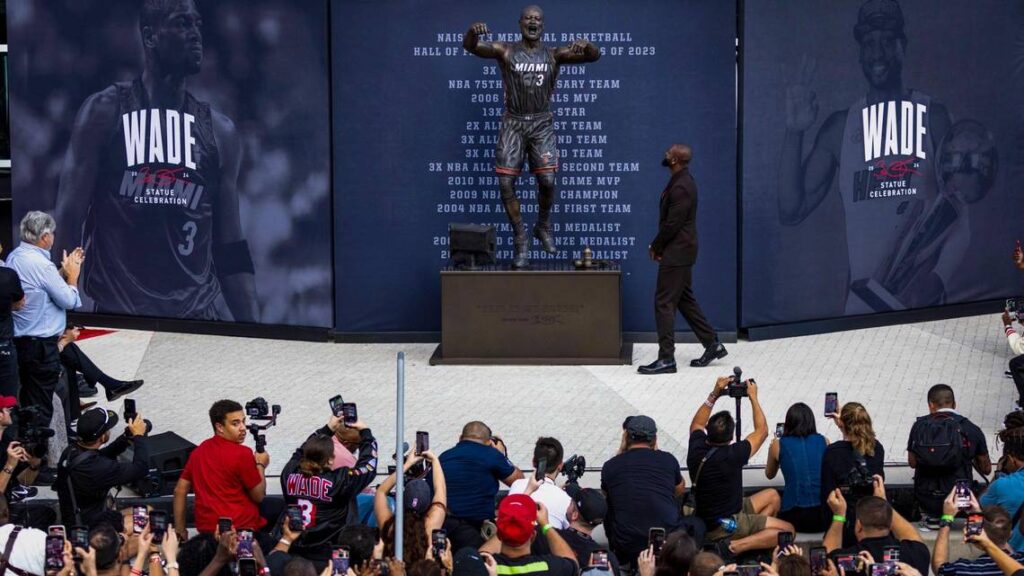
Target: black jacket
(676,241)
(93,473)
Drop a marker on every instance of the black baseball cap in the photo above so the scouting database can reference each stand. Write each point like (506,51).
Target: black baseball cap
(590,503)
(94,422)
(879,15)
(468,562)
(640,427)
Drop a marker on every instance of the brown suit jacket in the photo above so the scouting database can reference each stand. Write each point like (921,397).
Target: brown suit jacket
(676,241)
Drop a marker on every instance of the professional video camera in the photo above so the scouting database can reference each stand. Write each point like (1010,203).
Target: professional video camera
(859,481)
(258,409)
(737,388)
(32,433)
(574,468)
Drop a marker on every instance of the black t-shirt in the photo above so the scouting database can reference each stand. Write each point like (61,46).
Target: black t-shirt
(640,485)
(583,545)
(914,553)
(538,564)
(10,292)
(836,465)
(719,490)
(974,445)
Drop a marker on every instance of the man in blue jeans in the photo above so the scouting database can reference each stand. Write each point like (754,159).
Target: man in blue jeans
(472,470)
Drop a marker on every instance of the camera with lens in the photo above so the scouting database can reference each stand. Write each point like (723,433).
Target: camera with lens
(574,468)
(737,387)
(859,481)
(32,434)
(258,409)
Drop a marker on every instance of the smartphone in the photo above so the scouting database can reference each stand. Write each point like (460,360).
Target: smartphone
(785,540)
(748,570)
(974,524)
(963,494)
(244,545)
(349,414)
(883,569)
(831,403)
(140,517)
(891,554)
(158,525)
(422,442)
(819,560)
(656,538)
(336,404)
(224,524)
(847,562)
(339,561)
(129,410)
(382,567)
(780,429)
(598,559)
(57,530)
(294,517)
(54,553)
(438,542)
(79,537)
(542,467)
(246,567)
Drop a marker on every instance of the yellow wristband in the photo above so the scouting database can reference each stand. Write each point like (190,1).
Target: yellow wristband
(838,518)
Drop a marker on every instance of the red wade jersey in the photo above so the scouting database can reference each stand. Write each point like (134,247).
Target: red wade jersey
(529,79)
(150,225)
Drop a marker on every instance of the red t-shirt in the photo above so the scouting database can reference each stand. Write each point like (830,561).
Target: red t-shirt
(222,473)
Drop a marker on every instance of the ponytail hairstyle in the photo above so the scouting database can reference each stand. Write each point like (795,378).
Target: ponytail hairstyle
(857,426)
(317,453)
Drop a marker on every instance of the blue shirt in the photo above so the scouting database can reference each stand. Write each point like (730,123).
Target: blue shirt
(471,473)
(800,460)
(983,565)
(47,295)
(1007,492)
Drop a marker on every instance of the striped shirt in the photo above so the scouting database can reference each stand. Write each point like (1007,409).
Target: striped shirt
(983,565)
(535,565)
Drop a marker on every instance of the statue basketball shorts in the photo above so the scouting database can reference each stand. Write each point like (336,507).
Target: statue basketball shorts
(530,135)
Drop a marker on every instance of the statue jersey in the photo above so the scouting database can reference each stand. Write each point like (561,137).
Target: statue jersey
(148,234)
(529,78)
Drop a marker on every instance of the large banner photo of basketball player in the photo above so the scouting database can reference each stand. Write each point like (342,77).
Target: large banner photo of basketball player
(185,145)
(881,156)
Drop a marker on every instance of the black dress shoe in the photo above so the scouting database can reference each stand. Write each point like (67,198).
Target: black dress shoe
(659,366)
(46,477)
(714,352)
(87,391)
(113,393)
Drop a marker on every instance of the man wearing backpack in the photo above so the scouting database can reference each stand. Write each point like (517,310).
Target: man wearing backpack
(944,447)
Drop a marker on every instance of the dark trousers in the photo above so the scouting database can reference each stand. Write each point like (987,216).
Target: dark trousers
(463,533)
(75,361)
(39,371)
(8,368)
(674,291)
(1017,371)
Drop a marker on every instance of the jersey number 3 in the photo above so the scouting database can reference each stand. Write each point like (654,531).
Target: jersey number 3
(190,229)
(308,512)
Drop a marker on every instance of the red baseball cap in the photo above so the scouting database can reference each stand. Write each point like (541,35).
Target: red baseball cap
(8,402)
(517,519)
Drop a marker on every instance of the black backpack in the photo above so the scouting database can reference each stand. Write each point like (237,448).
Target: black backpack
(939,442)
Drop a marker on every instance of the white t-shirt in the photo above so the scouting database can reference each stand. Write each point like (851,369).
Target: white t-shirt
(551,496)
(29,554)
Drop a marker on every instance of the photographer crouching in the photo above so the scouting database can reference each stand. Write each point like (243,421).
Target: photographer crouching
(88,470)
(22,465)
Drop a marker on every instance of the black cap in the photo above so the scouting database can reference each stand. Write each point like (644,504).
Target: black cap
(418,496)
(640,427)
(94,422)
(590,503)
(468,562)
(879,15)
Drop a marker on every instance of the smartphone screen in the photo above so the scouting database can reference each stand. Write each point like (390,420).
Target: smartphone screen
(891,554)
(294,517)
(819,560)
(831,403)
(422,442)
(847,563)
(974,524)
(749,570)
(599,559)
(246,567)
(80,537)
(57,530)
(542,467)
(129,409)
(656,538)
(140,517)
(54,553)
(785,539)
(780,429)
(158,525)
(438,541)
(224,524)
(244,544)
(963,494)
(336,404)
(339,561)
(349,413)
(879,569)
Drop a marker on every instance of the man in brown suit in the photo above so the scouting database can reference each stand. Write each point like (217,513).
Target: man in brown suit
(675,251)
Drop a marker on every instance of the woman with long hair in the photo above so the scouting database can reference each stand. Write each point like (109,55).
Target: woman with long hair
(424,513)
(1008,489)
(849,464)
(798,452)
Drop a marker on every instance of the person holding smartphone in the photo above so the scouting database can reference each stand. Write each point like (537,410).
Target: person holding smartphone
(798,452)
(520,521)
(325,496)
(89,467)
(425,506)
(996,524)
(547,460)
